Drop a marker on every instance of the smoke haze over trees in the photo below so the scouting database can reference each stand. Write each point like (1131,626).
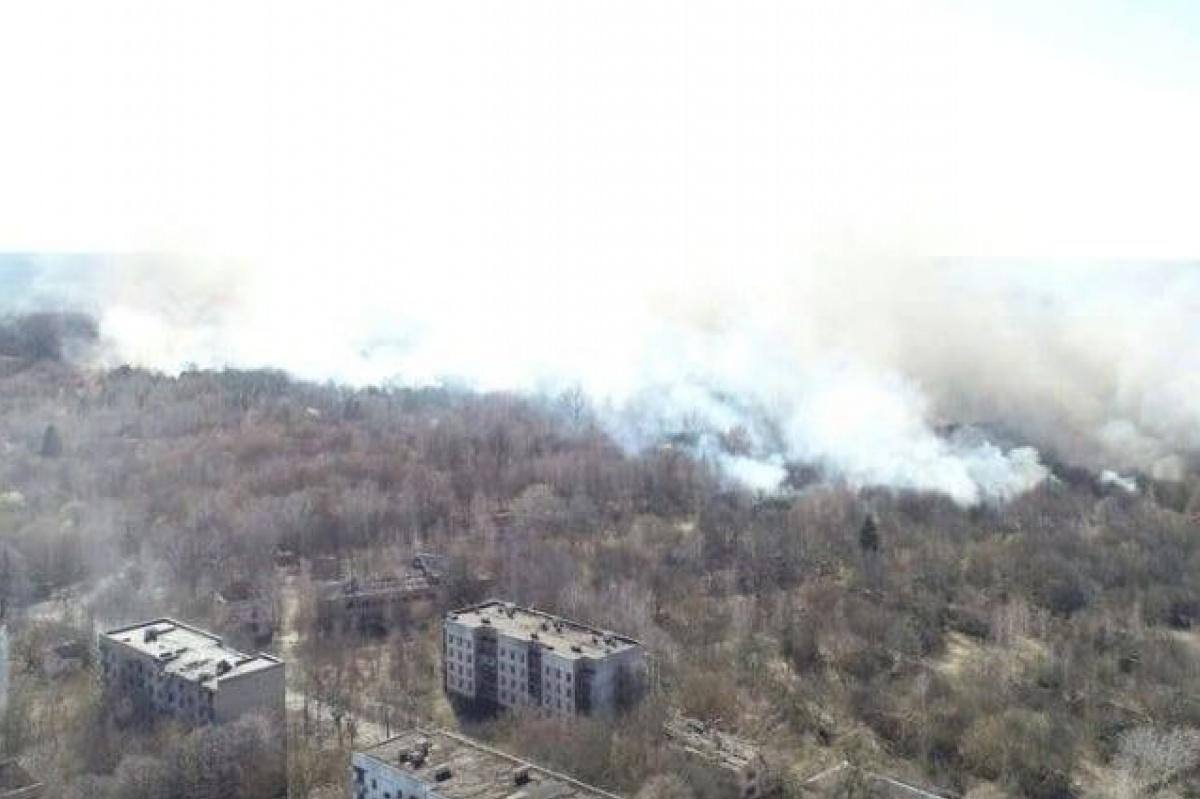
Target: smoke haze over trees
(1030,644)
(969,378)
(833,349)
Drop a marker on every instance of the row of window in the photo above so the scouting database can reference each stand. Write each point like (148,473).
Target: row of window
(460,683)
(514,697)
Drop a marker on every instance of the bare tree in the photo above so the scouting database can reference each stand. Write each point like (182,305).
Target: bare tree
(1149,759)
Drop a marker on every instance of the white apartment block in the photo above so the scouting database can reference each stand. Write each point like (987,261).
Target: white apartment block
(436,764)
(190,674)
(499,655)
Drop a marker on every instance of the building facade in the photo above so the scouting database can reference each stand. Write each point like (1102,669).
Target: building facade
(375,603)
(174,669)
(727,766)
(498,655)
(436,764)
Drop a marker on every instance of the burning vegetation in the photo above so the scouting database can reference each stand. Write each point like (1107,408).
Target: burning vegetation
(1043,645)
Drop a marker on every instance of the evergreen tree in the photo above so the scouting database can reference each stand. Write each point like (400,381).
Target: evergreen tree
(868,536)
(51,442)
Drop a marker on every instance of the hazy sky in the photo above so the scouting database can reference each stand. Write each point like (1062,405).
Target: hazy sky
(721,206)
(642,138)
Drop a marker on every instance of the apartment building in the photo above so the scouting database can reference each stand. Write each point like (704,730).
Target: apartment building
(729,766)
(436,764)
(16,783)
(498,655)
(174,669)
(375,603)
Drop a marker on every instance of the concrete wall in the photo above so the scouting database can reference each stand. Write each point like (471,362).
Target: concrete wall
(387,781)
(259,692)
(609,673)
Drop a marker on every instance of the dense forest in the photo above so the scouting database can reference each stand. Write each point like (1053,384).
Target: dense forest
(1043,647)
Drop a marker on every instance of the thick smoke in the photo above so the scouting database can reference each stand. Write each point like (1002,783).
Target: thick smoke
(941,376)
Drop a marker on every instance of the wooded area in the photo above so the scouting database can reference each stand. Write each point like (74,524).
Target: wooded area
(1044,647)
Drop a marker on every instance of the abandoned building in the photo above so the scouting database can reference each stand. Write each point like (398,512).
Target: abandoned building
(241,606)
(733,767)
(16,783)
(498,655)
(173,669)
(374,604)
(436,763)
(64,657)
(431,565)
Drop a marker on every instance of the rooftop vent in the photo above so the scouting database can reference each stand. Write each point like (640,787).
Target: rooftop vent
(223,667)
(577,649)
(521,775)
(150,635)
(442,774)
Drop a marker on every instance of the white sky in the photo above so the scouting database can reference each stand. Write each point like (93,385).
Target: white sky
(649,140)
(635,193)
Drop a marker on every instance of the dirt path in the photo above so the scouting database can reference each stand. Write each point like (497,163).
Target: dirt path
(319,713)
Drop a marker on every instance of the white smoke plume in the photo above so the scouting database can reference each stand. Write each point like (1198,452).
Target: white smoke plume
(938,375)
(634,198)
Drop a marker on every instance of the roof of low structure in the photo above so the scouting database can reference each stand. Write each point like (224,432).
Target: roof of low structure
(705,741)
(462,768)
(566,638)
(191,653)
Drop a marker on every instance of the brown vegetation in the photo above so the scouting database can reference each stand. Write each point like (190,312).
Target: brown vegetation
(1019,645)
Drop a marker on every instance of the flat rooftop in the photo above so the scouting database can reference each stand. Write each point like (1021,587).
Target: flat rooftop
(384,585)
(567,638)
(475,770)
(191,653)
(707,742)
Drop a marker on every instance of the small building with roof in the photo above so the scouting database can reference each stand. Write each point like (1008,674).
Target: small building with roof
(729,766)
(438,764)
(65,657)
(375,603)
